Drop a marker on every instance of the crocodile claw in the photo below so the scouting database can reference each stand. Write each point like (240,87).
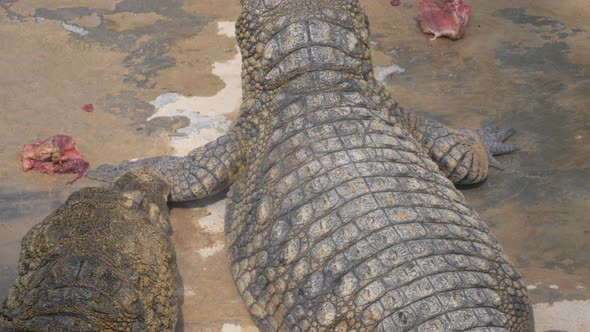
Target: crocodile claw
(493,138)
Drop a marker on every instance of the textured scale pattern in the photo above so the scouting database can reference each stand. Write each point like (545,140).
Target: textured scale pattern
(100,262)
(342,212)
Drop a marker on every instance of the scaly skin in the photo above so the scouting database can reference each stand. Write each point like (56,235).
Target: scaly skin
(342,213)
(100,262)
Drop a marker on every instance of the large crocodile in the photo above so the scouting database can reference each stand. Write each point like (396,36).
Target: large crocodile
(100,262)
(342,212)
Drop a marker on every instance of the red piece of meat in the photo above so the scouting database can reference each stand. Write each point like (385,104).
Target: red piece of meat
(55,155)
(444,17)
(88,108)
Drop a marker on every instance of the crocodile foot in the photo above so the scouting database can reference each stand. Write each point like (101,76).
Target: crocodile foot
(493,138)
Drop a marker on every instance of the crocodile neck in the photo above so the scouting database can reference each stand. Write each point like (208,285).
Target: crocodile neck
(298,46)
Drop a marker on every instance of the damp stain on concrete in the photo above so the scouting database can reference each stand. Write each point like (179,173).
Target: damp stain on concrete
(550,56)
(131,21)
(518,16)
(207,115)
(143,30)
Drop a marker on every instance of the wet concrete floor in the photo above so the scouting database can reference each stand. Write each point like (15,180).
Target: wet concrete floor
(163,77)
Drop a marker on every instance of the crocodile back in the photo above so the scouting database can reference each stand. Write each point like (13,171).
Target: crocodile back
(340,221)
(344,223)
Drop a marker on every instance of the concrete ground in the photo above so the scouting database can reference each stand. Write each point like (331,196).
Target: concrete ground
(163,77)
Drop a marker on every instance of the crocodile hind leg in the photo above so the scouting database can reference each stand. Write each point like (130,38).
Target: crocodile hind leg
(464,155)
(204,171)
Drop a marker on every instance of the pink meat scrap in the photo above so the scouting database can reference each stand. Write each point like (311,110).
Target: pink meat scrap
(55,155)
(444,17)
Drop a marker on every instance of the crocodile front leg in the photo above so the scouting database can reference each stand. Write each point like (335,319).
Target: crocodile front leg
(203,172)
(464,155)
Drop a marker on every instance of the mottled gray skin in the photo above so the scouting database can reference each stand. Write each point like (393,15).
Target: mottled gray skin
(101,262)
(342,212)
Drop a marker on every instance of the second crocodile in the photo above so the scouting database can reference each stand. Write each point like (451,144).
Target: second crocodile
(101,262)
